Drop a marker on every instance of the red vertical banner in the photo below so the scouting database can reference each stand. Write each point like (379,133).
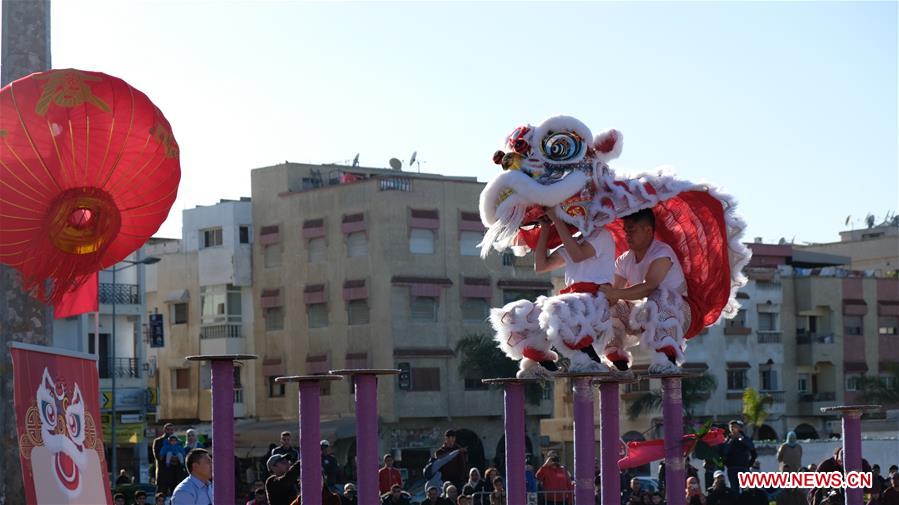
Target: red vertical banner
(57,402)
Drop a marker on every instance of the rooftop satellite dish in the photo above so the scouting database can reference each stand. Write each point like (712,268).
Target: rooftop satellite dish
(396,164)
(782,241)
(356,160)
(870,220)
(412,159)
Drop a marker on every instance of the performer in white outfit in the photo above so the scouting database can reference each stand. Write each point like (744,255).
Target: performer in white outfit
(577,320)
(650,290)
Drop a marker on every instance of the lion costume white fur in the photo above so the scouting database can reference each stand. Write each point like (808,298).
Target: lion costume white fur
(561,164)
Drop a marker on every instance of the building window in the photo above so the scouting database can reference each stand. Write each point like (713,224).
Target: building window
(317,248)
(205,376)
(421,241)
(211,237)
(357,312)
(888,381)
(468,243)
(768,379)
(425,379)
(424,309)
(474,384)
(887,325)
(852,382)
(317,315)
(179,313)
(272,255)
(736,380)
(802,383)
(275,390)
(475,310)
(739,321)
(357,244)
(220,304)
(244,232)
(274,319)
(511,295)
(853,325)
(181,378)
(768,321)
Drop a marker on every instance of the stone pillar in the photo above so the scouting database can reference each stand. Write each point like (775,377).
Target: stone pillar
(24,49)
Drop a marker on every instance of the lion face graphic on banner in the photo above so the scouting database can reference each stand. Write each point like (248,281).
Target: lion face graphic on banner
(65,451)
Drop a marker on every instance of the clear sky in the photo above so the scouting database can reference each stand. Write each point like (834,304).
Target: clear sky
(792,107)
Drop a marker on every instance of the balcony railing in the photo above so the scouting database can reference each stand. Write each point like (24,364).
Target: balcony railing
(395,183)
(777,396)
(818,397)
(225,330)
(769,336)
(121,367)
(127,294)
(804,337)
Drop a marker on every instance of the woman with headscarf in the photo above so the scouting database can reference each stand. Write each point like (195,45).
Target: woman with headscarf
(789,453)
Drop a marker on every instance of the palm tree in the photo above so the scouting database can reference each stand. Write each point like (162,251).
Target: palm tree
(754,405)
(877,390)
(694,391)
(482,359)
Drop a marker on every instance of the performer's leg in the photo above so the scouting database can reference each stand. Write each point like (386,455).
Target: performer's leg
(616,349)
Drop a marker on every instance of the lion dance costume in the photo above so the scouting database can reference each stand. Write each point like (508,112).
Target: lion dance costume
(561,164)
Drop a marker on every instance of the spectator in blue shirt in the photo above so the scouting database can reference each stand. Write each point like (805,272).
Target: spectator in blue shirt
(196,489)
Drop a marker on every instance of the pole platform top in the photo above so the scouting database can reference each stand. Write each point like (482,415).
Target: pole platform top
(221,357)
(586,375)
(308,378)
(364,371)
(851,408)
(671,375)
(513,380)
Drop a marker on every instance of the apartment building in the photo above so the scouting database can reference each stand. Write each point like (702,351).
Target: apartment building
(121,319)
(371,268)
(199,299)
(875,248)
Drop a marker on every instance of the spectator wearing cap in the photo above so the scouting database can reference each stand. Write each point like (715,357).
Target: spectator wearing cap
(163,483)
(281,485)
(454,470)
(738,453)
(349,496)
(718,493)
(388,475)
(330,466)
(396,496)
(286,449)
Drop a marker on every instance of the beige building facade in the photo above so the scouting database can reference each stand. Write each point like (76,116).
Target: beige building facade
(875,248)
(371,268)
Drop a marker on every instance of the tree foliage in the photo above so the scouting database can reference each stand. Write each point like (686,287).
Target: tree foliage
(755,407)
(482,359)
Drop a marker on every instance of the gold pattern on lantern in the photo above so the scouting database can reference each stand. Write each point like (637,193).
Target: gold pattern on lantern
(68,88)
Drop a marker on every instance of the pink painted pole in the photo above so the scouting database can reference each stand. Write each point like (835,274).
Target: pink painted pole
(852,451)
(609,448)
(514,413)
(223,430)
(367,438)
(310,450)
(584,442)
(673,414)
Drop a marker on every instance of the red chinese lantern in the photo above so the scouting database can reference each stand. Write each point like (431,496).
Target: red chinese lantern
(89,169)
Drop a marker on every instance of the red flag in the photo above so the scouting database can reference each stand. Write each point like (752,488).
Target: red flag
(636,454)
(82,299)
(57,403)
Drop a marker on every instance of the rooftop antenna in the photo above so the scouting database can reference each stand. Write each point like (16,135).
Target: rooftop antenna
(396,164)
(356,160)
(412,160)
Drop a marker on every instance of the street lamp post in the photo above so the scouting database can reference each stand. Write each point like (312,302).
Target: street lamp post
(149,260)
